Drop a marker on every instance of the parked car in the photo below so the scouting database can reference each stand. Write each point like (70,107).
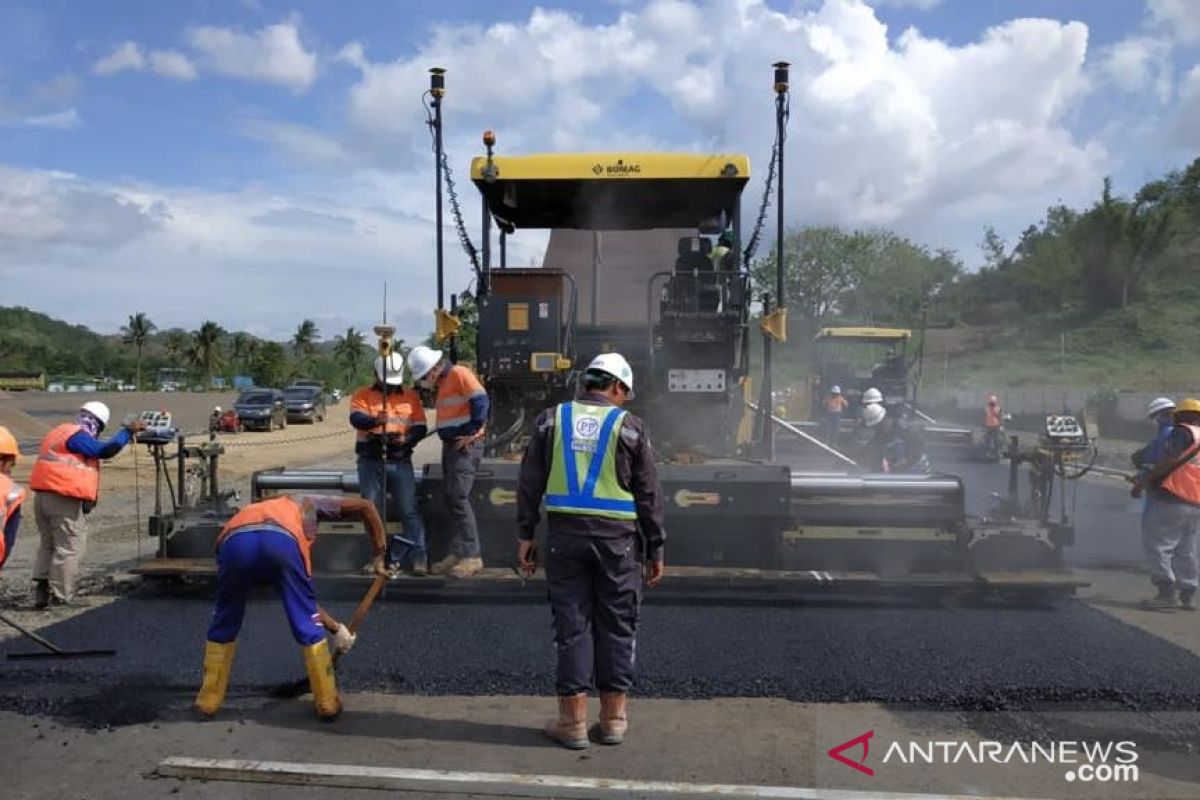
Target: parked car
(263,409)
(304,403)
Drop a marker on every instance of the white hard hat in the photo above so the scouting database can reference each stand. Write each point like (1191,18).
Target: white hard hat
(872,395)
(836,390)
(422,359)
(395,369)
(873,414)
(1160,404)
(97,410)
(217,409)
(614,364)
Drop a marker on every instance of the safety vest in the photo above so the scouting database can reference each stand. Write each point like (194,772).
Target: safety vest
(992,417)
(59,471)
(1184,481)
(279,513)
(404,410)
(835,404)
(454,393)
(585,447)
(11,497)
(718,256)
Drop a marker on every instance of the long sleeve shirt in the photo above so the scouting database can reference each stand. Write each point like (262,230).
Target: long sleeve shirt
(636,473)
(462,403)
(10,534)
(404,404)
(88,446)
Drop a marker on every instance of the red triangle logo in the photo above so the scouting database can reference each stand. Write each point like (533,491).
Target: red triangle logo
(864,739)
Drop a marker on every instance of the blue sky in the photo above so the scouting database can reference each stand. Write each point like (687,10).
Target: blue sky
(155,154)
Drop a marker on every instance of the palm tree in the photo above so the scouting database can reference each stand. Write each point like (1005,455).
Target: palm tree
(348,349)
(303,341)
(175,342)
(206,348)
(136,333)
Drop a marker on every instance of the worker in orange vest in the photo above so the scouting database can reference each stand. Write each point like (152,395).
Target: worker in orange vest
(462,412)
(993,422)
(1172,521)
(835,407)
(385,439)
(11,495)
(66,477)
(271,542)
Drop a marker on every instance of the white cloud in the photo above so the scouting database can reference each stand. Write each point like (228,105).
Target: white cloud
(172,64)
(127,55)
(1179,18)
(299,142)
(59,120)
(922,5)
(1186,128)
(273,54)
(57,208)
(1138,63)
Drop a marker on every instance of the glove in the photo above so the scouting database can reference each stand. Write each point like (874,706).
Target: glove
(343,640)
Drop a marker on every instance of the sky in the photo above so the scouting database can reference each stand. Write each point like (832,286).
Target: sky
(259,162)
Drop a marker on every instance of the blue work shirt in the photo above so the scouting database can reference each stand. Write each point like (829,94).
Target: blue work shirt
(88,446)
(10,534)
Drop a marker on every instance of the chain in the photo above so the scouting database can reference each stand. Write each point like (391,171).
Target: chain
(312,438)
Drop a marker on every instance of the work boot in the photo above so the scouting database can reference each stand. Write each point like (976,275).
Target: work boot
(612,726)
(443,566)
(466,567)
(1187,599)
(218,665)
(319,665)
(41,593)
(1163,599)
(570,728)
(419,568)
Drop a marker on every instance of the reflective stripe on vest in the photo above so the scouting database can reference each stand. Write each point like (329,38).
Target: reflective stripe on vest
(454,394)
(279,514)
(11,497)
(585,441)
(991,417)
(59,471)
(1184,481)
(404,409)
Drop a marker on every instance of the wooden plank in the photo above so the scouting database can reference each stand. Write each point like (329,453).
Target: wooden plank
(397,779)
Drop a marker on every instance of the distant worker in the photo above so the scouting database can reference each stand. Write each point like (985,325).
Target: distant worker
(399,428)
(1172,515)
(66,478)
(11,495)
(895,445)
(270,542)
(993,425)
(593,465)
(462,412)
(835,406)
(214,422)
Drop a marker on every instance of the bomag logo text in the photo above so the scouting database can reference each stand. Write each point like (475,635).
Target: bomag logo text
(617,169)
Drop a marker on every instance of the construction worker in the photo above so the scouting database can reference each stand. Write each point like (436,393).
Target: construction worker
(398,428)
(1161,412)
(835,406)
(721,250)
(271,542)
(593,465)
(11,495)
(66,478)
(1172,516)
(993,424)
(462,412)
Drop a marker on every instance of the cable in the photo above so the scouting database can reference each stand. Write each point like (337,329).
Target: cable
(460,227)
(756,236)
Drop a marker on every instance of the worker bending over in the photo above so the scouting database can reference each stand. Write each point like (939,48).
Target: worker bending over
(1172,516)
(66,477)
(398,428)
(270,542)
(11,495)
(592,463)
(462,412)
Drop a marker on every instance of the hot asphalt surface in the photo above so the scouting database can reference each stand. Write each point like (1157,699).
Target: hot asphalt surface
(944,658)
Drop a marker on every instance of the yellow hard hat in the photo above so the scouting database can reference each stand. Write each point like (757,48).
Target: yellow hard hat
(1188,404)
(8,443)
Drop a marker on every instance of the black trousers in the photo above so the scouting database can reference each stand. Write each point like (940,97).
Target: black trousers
(595,587)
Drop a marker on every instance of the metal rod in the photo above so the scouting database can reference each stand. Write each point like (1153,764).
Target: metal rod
(790,428)
(503,249)
(766,434)
(595,272)
(181,489)
(437,89)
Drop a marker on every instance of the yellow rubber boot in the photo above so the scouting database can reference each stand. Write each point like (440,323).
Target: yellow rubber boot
(218,665)
(319,665)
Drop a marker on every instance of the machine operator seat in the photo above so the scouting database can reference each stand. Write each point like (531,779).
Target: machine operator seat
(697,289)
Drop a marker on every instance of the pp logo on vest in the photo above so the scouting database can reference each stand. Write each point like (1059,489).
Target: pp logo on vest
(587,434)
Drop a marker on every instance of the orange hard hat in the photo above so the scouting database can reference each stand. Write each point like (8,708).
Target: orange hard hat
(8,443)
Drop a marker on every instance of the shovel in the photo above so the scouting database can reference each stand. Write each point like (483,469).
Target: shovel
(299,687)
(52,650)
